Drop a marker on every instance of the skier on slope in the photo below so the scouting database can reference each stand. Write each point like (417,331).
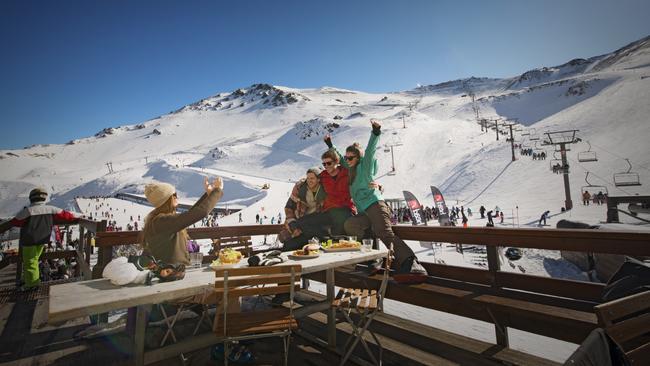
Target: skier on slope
(542,219)
(489,217)
(482,211)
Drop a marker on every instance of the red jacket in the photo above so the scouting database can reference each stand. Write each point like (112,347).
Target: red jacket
(338,190)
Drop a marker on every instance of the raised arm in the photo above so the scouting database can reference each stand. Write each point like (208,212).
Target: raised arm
(371,148)
(205,204)
(328,142)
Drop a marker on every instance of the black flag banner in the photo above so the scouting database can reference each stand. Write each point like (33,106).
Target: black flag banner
(439,202)
(417,213)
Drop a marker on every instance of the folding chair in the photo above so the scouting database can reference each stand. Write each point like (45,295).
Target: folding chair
(366,303)
(256,281)
(203,301)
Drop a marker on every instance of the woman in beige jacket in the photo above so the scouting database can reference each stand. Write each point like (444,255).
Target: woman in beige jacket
(164,235)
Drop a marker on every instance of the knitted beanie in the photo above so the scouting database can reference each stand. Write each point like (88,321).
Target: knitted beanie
(158,193)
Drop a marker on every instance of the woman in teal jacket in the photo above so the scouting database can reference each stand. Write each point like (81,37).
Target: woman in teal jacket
(372,210)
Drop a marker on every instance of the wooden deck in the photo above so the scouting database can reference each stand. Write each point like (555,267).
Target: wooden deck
(26,339)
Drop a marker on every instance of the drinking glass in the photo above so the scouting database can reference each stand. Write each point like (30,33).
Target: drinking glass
(196,260)
(367,245)
(352,238)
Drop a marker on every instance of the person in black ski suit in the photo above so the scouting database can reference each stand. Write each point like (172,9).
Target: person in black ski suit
(482,212)
(489,217)
(542,219)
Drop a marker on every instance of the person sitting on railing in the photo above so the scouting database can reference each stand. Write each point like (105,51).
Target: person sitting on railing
(36,222)
(164,235)
(373,212)
(305,202)
(338,202)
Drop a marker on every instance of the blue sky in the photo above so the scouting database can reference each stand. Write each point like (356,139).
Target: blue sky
(69,68)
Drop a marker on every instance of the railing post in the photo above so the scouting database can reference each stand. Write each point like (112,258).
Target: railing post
(104,254)
(493,263)
(494,266)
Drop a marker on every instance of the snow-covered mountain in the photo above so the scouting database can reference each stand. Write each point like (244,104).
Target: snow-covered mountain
(275,133)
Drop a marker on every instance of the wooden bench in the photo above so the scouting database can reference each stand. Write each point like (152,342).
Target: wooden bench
(627,322)
(550,316)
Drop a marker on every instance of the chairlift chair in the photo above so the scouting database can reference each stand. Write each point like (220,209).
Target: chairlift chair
(628,178)
(555,162)
(587,156)
(594,189)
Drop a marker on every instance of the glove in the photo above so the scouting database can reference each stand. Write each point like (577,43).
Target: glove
(266,259)
(376,130)
(328,141)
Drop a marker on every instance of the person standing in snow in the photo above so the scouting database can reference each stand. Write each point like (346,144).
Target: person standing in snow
(36,222)
(489,217)
(257,218)
(164,235)
(542,219)
(501,216)
(373,212)
(240,220)
(482,211)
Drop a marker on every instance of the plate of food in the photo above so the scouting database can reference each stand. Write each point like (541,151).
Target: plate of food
(228,258)
(342,246)
(309,251)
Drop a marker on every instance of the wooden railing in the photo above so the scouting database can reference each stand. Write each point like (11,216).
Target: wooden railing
(553,307)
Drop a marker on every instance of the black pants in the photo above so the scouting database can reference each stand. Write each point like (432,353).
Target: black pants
(313,225)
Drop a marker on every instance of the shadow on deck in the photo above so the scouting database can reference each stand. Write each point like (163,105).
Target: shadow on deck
(26,339)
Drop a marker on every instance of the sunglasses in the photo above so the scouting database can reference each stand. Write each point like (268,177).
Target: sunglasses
(350,158)
(328,163)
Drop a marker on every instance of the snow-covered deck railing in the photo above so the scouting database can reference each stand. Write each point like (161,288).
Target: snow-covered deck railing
(557,308)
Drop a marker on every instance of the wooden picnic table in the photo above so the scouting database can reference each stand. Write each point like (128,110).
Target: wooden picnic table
(78,299)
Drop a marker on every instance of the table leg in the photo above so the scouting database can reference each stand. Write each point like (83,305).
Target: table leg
(140,327)
(331,311)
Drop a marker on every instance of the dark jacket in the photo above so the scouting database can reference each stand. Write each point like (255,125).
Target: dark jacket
(36,221)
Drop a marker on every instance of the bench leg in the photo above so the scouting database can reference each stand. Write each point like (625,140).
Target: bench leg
(331,312)
(140,328)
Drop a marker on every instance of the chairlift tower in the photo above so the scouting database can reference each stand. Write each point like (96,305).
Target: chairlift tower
(392,145)
(512,140)
(561,139)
